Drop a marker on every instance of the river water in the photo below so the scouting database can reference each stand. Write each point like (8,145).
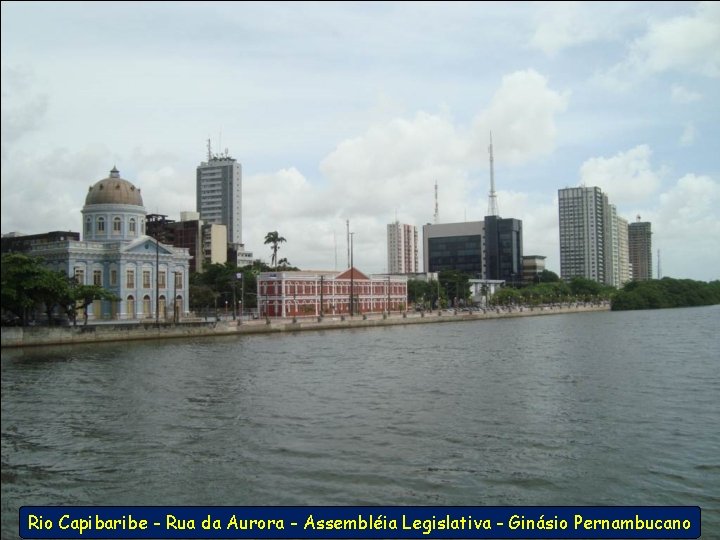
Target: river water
(606,408)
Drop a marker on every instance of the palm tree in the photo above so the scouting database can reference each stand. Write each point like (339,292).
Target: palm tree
(274,238)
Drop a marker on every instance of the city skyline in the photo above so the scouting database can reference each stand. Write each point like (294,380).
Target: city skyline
(354,111)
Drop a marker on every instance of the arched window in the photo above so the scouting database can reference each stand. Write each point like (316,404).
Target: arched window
(101,224)
(131,226)
(131,307)
(147,309)
(88,226)
(117,225)
(142,226)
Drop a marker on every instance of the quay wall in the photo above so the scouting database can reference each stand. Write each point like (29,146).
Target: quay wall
(96,333)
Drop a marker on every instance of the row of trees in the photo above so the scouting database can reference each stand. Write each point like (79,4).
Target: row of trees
(666,293)
(27,283)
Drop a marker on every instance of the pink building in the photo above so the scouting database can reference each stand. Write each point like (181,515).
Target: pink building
(310,294)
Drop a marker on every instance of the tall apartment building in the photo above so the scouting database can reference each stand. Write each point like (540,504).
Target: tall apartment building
(640,248)
(624,274)
(584,230)
(219,194)
(219,200)
(402,248)
(593,238)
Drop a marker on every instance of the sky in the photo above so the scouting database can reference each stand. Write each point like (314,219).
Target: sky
(353,111)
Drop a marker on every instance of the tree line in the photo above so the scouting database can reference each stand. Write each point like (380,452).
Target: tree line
(28,285)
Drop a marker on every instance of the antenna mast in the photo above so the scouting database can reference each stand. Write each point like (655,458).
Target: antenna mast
(436,217)
(209,150)
(492,201)
(347,225)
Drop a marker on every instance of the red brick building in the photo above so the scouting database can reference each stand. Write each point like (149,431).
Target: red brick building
(310,294)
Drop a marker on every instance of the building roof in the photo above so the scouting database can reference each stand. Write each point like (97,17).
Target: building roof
(114,190)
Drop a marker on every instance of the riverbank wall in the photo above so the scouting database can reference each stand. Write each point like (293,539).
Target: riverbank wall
(108,332)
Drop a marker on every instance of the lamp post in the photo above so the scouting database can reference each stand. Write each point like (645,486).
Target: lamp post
(157,282)
(175,306)
(352,277)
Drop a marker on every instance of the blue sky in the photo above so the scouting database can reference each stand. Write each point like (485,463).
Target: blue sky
(353,110)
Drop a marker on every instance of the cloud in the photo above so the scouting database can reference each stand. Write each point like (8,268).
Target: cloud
(680,94)
(688,136)
(685,44)
(23,109)
(522,118)
(626,177)
(685,224)
(560,25)
(391,169)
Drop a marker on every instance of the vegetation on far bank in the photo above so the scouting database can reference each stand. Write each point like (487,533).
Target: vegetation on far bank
(666,293)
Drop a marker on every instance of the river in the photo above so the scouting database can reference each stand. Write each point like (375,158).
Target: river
(605,408)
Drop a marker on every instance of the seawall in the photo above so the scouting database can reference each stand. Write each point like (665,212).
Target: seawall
(107,332)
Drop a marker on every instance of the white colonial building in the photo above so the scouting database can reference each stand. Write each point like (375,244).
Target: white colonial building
(116,254)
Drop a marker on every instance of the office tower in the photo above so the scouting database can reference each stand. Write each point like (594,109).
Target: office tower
(503,249)
(640,248)
(402,248)
(584,230)
(454,246)
(219,194)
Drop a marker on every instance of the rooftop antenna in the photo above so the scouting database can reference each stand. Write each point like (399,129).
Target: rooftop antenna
(436,217)
(492,201)
(335,243)
(638,218)
(209,150)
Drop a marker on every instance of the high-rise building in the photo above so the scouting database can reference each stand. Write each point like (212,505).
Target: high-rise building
(454,246)
(219,201)
(640,248)
(584,231)
(503,249)
(219,194)
(624,274)
(402,248)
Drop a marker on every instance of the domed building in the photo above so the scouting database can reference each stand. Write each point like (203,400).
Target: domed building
(116,254)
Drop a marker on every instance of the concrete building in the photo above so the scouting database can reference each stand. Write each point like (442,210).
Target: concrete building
(533,266)
(584,230)
(305,294)
(624,270)
(15,242)
(455,246)
(503,249)
(219,201)
(402,248)
(640,249)
(116,254)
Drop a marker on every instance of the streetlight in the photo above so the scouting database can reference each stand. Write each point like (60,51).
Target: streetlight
(352,277)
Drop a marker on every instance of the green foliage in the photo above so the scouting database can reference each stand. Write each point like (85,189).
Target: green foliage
(28,283)
(274,239)
(666,293)
(547,276)
(455,284)
(424,293)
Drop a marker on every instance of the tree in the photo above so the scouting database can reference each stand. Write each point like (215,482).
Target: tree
(83,295)
(274,239)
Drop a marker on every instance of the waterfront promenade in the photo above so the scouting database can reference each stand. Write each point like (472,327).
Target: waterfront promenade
(106,332)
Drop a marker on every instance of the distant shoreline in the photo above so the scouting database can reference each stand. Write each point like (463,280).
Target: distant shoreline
(17,337)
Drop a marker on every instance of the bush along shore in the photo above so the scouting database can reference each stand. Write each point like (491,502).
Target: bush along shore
(20,336)
(666,293)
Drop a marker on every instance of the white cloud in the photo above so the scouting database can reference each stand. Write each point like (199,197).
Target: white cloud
(680,94)
(688,136)
(560,25)
(686,228)
(522,118)
(685,44)
(626,177)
